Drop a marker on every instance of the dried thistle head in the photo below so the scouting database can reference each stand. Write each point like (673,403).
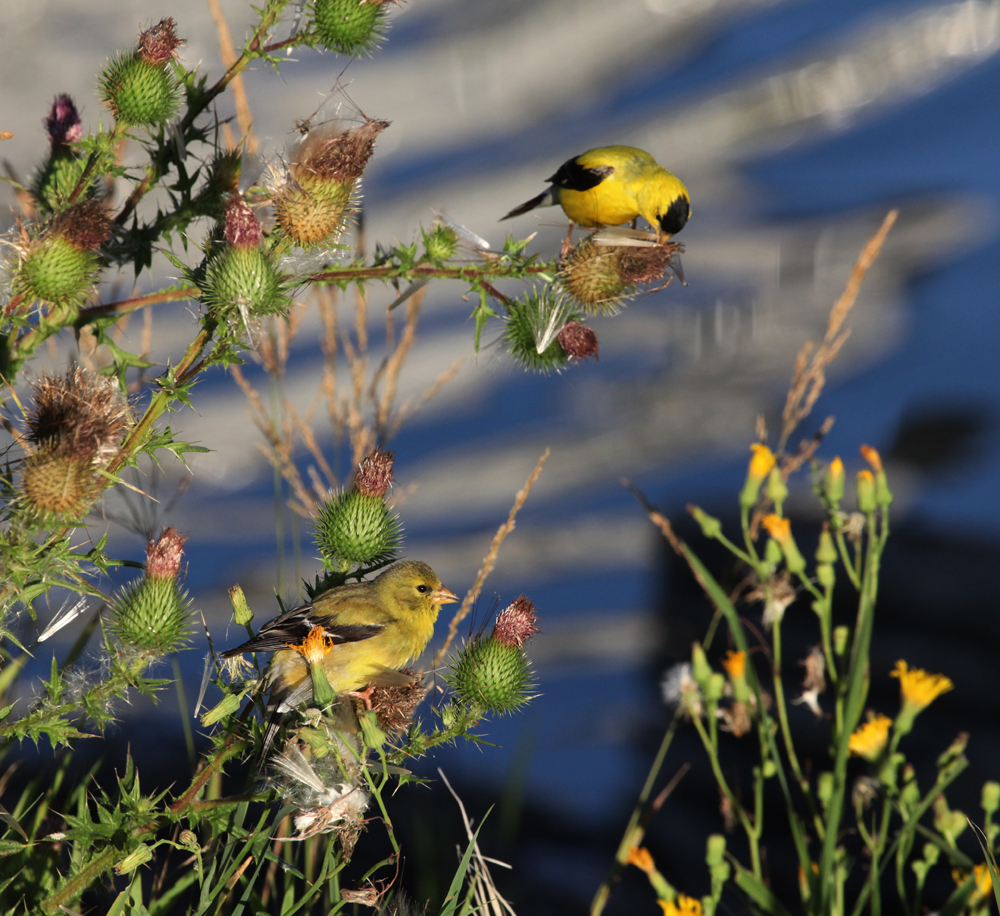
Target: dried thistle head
(315,192)
(159,43)
(394,706)
(163,556)
(79,413)
(578,341)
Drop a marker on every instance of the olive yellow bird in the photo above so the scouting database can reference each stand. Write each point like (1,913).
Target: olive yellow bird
(372,630)
(612,185)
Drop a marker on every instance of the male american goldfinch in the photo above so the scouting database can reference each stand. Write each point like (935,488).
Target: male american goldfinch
(612,185)
(369,630)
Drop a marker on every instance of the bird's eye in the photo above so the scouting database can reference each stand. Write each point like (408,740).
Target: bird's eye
(423,589)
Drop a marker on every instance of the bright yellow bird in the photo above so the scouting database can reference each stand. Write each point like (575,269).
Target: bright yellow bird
(375,627)
(612,185)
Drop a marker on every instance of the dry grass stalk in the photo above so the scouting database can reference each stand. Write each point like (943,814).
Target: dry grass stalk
(489,561)
(228,53)
(809,376)
(488,899)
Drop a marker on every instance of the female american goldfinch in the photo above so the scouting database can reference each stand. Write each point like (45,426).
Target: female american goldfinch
(612,185)
(368,631)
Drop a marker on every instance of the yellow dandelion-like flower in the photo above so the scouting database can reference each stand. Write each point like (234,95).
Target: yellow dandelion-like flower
(761,461)
(984,884)
(314,646)
(779,528)
(735,664)
(917,687)
(640,857)
(868,740)
(872,457)
(682,906)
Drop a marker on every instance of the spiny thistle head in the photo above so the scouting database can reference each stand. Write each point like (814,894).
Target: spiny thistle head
(55,182)
(440,243)
(152,613)
(241,281)
(352,27)
(139,86)
(494,674)
(602,277)
(355,528)
(74,425)
(61,265)
(531,334)
(316,191)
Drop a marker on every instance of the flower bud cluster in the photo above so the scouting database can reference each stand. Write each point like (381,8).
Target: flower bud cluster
(544,334)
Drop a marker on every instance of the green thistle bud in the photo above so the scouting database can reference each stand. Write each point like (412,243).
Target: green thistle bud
(242,281)
(151,614)
(494,674)
(139,87)
(776,489)
(188,838)
(716,687)
(825,575)
(356,528)
(373,735)
(57,485)
(833,482)
(715,853)
(701,670)
(440,243)
(317,192)
(352,27)
(826,551)
(61,265)
(525,318)
(57,179)
(840,637)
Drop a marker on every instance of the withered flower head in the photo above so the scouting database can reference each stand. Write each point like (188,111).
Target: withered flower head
(578,340)
(79,414)
(374,475)
(86,225)
(159,43)
(394,706)
(163,556)
(516,624)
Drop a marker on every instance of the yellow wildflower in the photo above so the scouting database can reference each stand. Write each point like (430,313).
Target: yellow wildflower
(917,687)
(872,457)
(868,740)
(735,664)
(984,884)
(640,857)
(683,906)
(761,461)
(779,528)
(314,646)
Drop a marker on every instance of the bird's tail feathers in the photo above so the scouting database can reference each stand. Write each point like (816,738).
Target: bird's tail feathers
(548,198)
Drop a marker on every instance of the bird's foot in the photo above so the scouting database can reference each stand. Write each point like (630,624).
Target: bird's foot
(365,695)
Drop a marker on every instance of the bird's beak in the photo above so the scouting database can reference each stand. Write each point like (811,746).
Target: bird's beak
(443,595)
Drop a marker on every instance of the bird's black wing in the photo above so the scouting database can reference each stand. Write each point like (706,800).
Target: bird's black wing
(575,177)
(292,627)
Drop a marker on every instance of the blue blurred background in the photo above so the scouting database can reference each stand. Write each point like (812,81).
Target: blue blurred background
(796,125)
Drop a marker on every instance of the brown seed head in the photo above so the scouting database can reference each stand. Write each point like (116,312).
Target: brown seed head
(80,414)
(578,341)
(516,623)
(159,43)
(645,265)
(85,225)
(394,706)
(333,154)
(242,228)
(374,476)
(63,121)
(163,556)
